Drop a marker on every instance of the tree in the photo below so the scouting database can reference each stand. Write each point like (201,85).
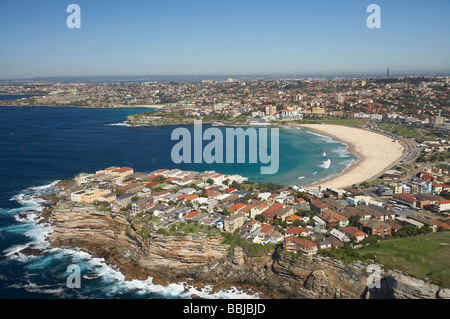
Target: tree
(260,217)
(353,220)
(371,240)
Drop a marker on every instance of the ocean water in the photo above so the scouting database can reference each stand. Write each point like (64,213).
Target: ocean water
(41,145)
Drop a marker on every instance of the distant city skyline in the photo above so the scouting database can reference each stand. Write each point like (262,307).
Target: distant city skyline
(142,38)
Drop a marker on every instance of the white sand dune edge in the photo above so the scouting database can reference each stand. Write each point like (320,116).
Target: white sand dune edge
(376,153)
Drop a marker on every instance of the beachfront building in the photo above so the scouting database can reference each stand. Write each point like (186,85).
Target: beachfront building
(365,200)
(441,206)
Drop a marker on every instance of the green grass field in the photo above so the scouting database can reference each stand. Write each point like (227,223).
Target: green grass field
(423,256)
(335,121)
(400,130)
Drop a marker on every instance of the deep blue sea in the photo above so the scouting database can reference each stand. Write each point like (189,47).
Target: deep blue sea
(40,145)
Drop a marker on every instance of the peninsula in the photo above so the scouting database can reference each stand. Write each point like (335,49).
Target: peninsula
(224,230)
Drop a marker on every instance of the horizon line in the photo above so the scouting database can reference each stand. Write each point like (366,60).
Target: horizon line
(230,75)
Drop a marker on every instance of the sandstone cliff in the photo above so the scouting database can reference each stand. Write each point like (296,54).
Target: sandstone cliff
(208,260)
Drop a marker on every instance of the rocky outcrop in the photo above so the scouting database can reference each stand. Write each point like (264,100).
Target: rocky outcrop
(208,260)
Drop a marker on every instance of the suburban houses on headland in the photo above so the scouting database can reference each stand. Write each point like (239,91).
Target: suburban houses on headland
(288,216)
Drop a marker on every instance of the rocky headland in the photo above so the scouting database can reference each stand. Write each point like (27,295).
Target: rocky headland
(207,260)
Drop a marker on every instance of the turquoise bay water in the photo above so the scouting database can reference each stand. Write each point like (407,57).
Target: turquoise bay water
(39,145)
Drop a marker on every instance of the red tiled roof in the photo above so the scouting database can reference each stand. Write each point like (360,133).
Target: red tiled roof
(353,231)
(237,206)
(150,184)
(192,214)
(407,197)
(182,196)
(273,209)
(441,224)
(301,241)
(192,197)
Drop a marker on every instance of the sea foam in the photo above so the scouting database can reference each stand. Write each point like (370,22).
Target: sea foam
(112,281)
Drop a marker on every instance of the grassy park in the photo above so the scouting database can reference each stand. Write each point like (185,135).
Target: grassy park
(423,256)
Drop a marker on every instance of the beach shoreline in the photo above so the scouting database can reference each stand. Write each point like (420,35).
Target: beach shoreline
(154,106)
(376,153)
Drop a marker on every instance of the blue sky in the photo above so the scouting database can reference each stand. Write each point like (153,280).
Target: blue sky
(179,37)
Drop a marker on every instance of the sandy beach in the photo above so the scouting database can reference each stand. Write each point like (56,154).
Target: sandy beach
(377,153)
(155,106)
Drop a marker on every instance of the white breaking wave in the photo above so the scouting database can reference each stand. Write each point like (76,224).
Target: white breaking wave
(340,152)
(113,281)
(326,164)
(301,177)
(118,124)
(324,138)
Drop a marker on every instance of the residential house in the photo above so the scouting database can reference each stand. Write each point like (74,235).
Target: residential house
(272,211)
(233,222)
(354,233)
(342,220)
(330,221)
(297,231)
(375,227)
(190,216)
(319,222)
(253,225)
(302,204)
(285,212)
(343,237)
(236,207)
(141,205)
(122,172)
(302,245)
(318,206)
(258,235)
